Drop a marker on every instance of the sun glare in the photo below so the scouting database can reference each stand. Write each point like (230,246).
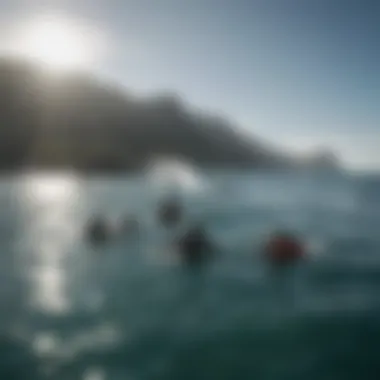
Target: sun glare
(55,43)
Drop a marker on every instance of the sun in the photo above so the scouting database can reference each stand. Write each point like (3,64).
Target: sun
(55,43)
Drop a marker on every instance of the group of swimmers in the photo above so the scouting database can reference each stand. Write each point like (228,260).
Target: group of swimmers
(194,246)
(100,231)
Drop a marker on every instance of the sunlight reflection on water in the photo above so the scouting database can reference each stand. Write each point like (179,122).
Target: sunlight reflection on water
(50,232)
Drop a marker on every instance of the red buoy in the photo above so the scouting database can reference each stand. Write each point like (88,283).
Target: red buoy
(284,249)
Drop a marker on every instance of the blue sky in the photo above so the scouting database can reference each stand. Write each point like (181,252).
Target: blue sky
(299,73)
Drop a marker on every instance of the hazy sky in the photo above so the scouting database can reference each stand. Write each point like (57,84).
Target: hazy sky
(300,73)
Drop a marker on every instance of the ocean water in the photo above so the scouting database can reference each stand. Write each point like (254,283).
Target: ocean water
(130,311)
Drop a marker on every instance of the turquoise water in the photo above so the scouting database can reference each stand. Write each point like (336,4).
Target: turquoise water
(130,311)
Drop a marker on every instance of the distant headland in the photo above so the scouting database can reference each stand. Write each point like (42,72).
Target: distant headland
(74,121)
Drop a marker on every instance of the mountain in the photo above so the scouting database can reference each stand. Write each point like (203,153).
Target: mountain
(320,160)
(73,120)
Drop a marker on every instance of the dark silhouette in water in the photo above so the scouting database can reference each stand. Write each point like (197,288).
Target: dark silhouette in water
(195,247)
(284,249)
(98,231)
(170,212)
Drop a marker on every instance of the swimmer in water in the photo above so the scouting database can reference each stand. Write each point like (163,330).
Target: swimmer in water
(170,212)
(284,249)
(97,230)
(195,247)
(283,253)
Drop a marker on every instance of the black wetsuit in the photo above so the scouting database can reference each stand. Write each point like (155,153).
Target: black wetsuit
(170,213)
(97,232)
(194,247)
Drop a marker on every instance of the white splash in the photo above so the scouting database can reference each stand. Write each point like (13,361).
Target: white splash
(169,174)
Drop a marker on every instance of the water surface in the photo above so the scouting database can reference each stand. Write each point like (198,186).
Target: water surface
(129,311)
